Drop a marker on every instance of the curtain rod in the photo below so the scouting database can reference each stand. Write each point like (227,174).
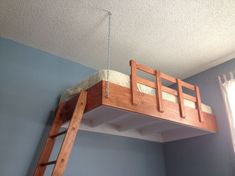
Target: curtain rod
(226,77)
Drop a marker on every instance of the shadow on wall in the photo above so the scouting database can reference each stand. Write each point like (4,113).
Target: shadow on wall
(40,144)
(210,155)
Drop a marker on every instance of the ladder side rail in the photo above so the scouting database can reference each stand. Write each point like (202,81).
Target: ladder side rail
(49,144)
(70,136)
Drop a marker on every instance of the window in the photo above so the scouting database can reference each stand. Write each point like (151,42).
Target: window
(231,100)
(228,90)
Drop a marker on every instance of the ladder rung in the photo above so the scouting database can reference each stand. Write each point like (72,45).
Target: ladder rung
(48,163)
(58,134)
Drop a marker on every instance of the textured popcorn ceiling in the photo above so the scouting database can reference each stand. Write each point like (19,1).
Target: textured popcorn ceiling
(179,37)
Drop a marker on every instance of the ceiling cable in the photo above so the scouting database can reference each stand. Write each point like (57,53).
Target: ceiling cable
(108,55)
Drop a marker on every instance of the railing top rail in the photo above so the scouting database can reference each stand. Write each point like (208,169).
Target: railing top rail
(163,76)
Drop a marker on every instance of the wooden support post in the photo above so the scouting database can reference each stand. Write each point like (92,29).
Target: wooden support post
(180,98)
(133,82)
(159,91)
(70,136)
(48,147)
(198,103)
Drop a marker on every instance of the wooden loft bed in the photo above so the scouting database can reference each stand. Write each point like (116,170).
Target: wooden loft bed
(127,111)
(132,103)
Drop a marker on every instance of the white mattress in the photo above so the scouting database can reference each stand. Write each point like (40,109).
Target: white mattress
(123,80)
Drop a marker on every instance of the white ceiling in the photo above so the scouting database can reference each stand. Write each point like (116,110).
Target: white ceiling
(179,37)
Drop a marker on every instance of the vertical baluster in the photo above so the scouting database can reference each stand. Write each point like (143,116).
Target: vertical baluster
(133,82)
(159,91)
(180,98)
(198,103)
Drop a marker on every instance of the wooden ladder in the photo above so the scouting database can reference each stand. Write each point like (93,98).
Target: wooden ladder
(70,135)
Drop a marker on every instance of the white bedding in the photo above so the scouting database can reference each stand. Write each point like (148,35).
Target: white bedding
(123,80)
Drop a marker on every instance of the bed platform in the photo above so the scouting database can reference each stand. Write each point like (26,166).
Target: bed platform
(140,108)
(114,103)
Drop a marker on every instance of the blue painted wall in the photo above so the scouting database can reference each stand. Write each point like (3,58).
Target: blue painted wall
(30,84)
(210,155)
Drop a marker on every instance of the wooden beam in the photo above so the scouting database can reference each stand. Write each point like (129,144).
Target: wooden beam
(182,133)
(108,118)
(158,128)
(169,90)
(146,82)
(188,86)
(145,69)
(189,97)
(112,130)
(135,124)
(168,78)
(121,118)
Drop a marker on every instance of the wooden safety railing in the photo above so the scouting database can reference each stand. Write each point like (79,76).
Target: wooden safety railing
(157,85)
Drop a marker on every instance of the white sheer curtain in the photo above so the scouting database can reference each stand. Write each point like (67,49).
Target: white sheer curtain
(227,84)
